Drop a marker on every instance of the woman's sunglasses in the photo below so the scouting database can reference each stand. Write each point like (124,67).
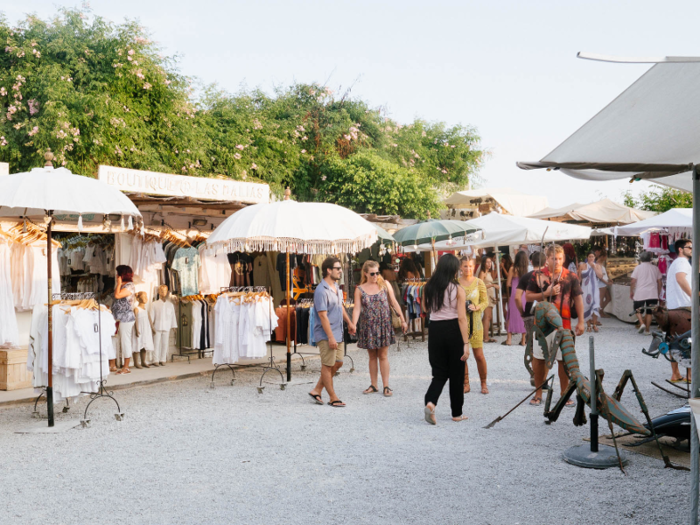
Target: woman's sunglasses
(373,274)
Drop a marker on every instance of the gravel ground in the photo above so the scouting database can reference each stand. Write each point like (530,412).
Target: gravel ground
(184,454)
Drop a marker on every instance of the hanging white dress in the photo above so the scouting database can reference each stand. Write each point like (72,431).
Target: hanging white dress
(9,332)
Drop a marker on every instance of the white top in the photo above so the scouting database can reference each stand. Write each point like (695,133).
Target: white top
(675,296)
(163,315)
(214,269)
(647,276)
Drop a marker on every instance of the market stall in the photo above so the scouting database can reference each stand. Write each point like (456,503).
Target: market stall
(293,228)
(47,192)
(648,132)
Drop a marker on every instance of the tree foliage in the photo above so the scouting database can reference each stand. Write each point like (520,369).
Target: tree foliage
(96,93)
(659,199)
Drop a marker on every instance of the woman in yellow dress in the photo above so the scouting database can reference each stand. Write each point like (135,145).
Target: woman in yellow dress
(479,301)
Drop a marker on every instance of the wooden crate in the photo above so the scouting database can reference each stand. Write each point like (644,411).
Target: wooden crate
(13,369)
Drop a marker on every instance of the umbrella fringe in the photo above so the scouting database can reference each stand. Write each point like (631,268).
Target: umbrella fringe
(311,247)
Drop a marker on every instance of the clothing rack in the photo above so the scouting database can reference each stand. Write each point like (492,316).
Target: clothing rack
(413,331)
(101,391)
(190,350)
(272,365)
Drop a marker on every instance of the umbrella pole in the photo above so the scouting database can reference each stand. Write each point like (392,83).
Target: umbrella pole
(289,354)
(695,357)
(49,388)
(500,286)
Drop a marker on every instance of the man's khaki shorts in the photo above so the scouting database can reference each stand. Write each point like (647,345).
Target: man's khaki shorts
(330,357)
(537,352)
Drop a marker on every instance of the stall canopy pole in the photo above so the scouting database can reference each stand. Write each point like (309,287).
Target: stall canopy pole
(49,388)
(289,333)
(500,292)
(695,354)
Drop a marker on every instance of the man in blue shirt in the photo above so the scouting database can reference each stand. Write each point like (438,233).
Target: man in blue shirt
(329,313)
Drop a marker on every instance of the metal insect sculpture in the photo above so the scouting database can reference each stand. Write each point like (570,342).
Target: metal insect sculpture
(673,341)
(548,321)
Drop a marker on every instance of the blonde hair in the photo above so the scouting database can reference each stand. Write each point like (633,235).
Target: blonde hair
(365,270)
(554,249)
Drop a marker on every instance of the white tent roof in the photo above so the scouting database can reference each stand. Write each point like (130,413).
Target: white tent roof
(607,211)
(673,218)
(512,201)
(649,131)
(549,213)
(506,230)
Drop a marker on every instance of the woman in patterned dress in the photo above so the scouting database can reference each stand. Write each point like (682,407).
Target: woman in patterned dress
(373,303)
(123,311)
(476,293)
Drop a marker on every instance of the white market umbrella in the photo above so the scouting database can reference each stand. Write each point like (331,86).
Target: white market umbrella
(48,191)
(678,218)
(507,230)
(295,227)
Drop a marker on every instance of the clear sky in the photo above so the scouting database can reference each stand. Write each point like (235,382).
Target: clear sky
(508,68)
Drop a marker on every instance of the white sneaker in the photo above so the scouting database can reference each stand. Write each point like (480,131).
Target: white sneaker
(641,329)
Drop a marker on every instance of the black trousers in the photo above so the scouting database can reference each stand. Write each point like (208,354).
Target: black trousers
(445,351)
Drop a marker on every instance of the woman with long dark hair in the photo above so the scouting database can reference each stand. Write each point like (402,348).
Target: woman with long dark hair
(516,325)
(570,259)
(408,270)
(487,274)
(448,345)
(123,311)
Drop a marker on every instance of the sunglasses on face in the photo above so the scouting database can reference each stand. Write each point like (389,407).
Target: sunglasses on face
(337,268)
(373,274)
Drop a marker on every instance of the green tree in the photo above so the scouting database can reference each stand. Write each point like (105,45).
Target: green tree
(96,93)
(659,199)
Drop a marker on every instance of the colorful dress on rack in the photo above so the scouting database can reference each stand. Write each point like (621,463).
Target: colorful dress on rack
(516,325)
(375,329)
(476,293)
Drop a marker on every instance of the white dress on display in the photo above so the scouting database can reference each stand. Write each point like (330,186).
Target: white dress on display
(143,341)
(9,332)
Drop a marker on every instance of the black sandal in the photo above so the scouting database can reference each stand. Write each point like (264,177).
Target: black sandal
(337,404)
(388,392)
(371,390)
(317,398)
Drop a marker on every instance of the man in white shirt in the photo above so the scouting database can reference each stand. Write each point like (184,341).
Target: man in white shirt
(678,290)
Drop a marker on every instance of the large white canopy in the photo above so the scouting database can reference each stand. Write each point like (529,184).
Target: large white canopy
(512,201)
(602,212)
(506,230)
(42,189)
(649,131)
(675,218)
(300,227)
